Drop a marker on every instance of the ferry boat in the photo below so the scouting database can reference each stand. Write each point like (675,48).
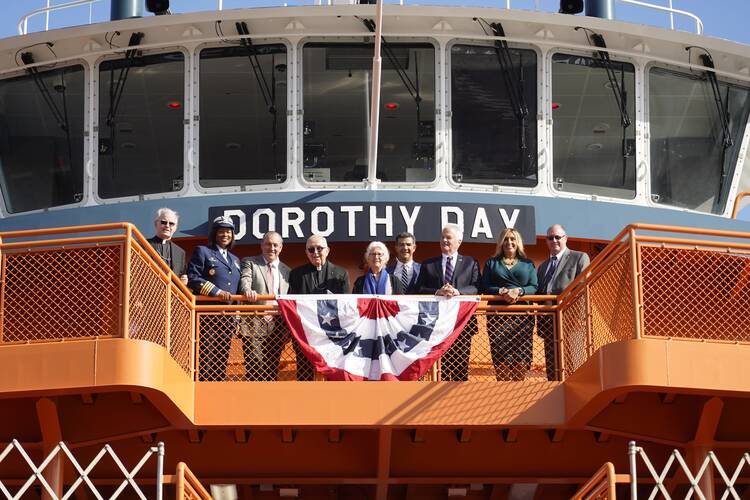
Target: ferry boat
(633,137)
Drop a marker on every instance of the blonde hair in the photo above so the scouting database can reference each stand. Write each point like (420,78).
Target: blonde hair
(519,243)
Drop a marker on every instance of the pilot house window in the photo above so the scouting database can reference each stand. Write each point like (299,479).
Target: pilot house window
(141,129)
(593,112)
(493,109)
(41,139)
(243,115)
(337,91)
(696,125)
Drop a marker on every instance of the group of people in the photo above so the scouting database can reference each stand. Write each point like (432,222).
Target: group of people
(509,274)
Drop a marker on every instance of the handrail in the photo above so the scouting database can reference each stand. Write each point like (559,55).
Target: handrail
(737,201)
(601,485)
(23,23)
(671,10)
(188,486)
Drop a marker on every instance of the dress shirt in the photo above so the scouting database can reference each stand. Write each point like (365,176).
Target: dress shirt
(454,259)
(551,278)
(409,269)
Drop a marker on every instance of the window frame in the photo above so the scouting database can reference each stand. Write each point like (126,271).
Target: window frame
(540,119)
(87,140)
(186,121)
(299,167)
(194,139)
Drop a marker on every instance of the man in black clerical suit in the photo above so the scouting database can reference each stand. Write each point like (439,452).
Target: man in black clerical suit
(319,276)
(449,275)
(165,226)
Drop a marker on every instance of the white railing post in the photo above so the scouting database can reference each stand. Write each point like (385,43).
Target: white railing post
(160,471)
(632,450)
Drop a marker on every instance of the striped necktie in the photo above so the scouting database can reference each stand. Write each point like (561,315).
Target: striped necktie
(404,277)
(449,270)
(550,272)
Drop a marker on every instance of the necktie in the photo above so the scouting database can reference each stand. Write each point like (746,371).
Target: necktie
(404,277)
(271,284)
(550,272)
(449,270)
(224,255)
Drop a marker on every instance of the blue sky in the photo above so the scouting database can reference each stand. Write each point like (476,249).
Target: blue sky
(722,18)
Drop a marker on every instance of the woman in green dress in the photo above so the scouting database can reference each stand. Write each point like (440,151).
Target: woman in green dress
(511,275)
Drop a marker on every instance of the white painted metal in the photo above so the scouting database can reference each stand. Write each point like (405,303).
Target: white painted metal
(23,23)
(37,471)
(372,153)
(694,479)
(672,11)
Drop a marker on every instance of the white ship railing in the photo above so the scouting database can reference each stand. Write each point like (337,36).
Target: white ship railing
(39,472)
(23,23)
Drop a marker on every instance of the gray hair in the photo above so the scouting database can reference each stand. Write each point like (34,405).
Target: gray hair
(378,244)
(164,211)
(317,237)
(456,229)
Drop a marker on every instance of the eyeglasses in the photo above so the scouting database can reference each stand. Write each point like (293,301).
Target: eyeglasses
(167,223)
(315,249)
(556,237)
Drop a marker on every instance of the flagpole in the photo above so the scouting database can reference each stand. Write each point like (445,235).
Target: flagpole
(372,152)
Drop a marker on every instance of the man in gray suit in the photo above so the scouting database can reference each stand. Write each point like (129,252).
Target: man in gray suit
(553,276)
(264,336)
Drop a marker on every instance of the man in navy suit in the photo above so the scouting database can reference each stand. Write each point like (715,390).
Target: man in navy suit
(405,269)
(451,275)
(215,272)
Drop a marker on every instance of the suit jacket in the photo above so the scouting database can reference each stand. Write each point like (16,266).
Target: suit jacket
(254,276)
(332,278)
(396,287)
(570,266)
(466,275)
(411,288)
(208,272)
(177,262)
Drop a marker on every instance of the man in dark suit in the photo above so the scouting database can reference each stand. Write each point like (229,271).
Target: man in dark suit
(165,225)
(451,275)
(263,336)
(553,276)
(318,276)
(405,269)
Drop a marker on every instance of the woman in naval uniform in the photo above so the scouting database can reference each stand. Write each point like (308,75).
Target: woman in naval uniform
(215,272)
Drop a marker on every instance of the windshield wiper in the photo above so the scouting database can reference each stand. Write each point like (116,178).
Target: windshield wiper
(60,116)
(722,110)
(618,91)
(267,91)
(514,85)
(116,90)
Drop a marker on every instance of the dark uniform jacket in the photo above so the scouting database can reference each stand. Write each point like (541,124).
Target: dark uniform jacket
(308,280)
(208,272)
(172,254)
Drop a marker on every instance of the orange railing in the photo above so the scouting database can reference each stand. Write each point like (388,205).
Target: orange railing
(106,281)
(100,281)
(187,486)
(601,486)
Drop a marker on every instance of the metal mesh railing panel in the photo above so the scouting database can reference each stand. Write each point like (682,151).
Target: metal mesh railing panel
(611,299)
(695,293)
(180,332)
(148,302)
(251,346)
(575,332)
(503,346)
(63,293)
